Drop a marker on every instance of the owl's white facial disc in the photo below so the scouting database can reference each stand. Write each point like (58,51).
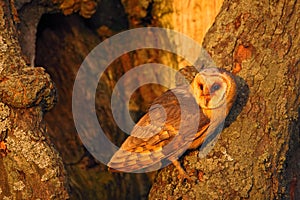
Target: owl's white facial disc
(211,88)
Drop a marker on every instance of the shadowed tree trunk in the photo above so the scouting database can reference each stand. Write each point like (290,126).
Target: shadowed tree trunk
(257,155)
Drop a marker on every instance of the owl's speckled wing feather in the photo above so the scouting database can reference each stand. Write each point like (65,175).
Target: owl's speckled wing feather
(153,137)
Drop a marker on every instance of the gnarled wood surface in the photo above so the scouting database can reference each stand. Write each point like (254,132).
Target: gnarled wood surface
(259,40)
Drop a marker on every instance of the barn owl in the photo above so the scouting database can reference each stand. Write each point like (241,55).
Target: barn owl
(162,133)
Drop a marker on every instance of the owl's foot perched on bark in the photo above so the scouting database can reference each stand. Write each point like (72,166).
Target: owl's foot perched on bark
(182,173)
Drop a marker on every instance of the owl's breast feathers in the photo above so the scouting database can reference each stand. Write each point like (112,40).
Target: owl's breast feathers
(162,133)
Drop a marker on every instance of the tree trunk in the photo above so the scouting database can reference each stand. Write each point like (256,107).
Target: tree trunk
(257,155)
(30,167)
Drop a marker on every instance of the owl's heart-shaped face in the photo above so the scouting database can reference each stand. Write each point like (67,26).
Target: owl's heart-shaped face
(212,88)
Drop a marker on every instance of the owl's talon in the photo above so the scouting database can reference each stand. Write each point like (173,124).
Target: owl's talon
(182,173)
(183,177)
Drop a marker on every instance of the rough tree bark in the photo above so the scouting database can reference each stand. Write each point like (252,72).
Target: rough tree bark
(30,167)
(257,155)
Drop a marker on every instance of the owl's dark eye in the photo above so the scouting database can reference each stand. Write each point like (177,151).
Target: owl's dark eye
(215,87)
(201,86)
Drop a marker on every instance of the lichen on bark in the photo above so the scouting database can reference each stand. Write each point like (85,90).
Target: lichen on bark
(32,161)
(30,166)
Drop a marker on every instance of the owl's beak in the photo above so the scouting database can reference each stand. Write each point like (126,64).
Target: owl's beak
(206,92)
(207,99)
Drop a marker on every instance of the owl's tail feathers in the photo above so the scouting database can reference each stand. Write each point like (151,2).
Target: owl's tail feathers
(113,170)
(128,161)
(135,169)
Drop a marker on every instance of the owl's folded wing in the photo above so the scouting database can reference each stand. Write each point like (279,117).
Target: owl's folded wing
(161,133)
